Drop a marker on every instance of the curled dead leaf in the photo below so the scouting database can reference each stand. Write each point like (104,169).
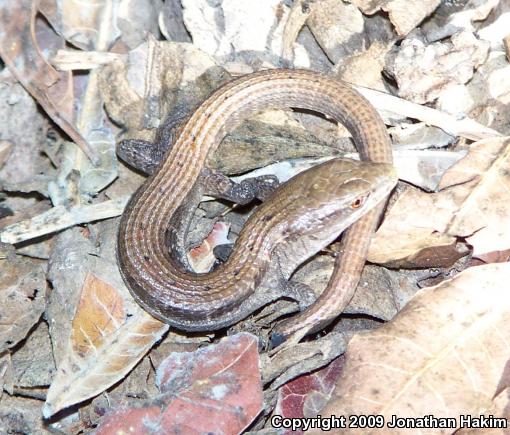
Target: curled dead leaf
(20,52)
(474,200)
(483,210)
(444,354)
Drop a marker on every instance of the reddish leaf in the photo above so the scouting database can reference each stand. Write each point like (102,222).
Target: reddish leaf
(214,389)
(306,396)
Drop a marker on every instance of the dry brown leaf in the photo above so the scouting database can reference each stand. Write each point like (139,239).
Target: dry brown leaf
(139,383)
(338,28)
(405,15)
(473,202)
(295,20)
(22,297)
(290,361)
(33,365)
(20,415)
(444,354)
(365,68)
(141,104)
(496,257)
(377,295)
(20,51)
(105,344)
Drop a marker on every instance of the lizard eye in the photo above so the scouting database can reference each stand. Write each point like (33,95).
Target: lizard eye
(357,203)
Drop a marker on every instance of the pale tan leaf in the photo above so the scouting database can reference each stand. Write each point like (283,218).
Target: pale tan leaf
(444,354)
(500,408)
(405,15)
(61,217)
(472,165)
(105,344)
(482,212)
(473,202)
(417,221)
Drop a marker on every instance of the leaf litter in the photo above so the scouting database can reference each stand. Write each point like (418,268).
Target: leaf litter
(78,355)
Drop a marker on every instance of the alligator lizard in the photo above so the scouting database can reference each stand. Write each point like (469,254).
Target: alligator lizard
(305,214)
